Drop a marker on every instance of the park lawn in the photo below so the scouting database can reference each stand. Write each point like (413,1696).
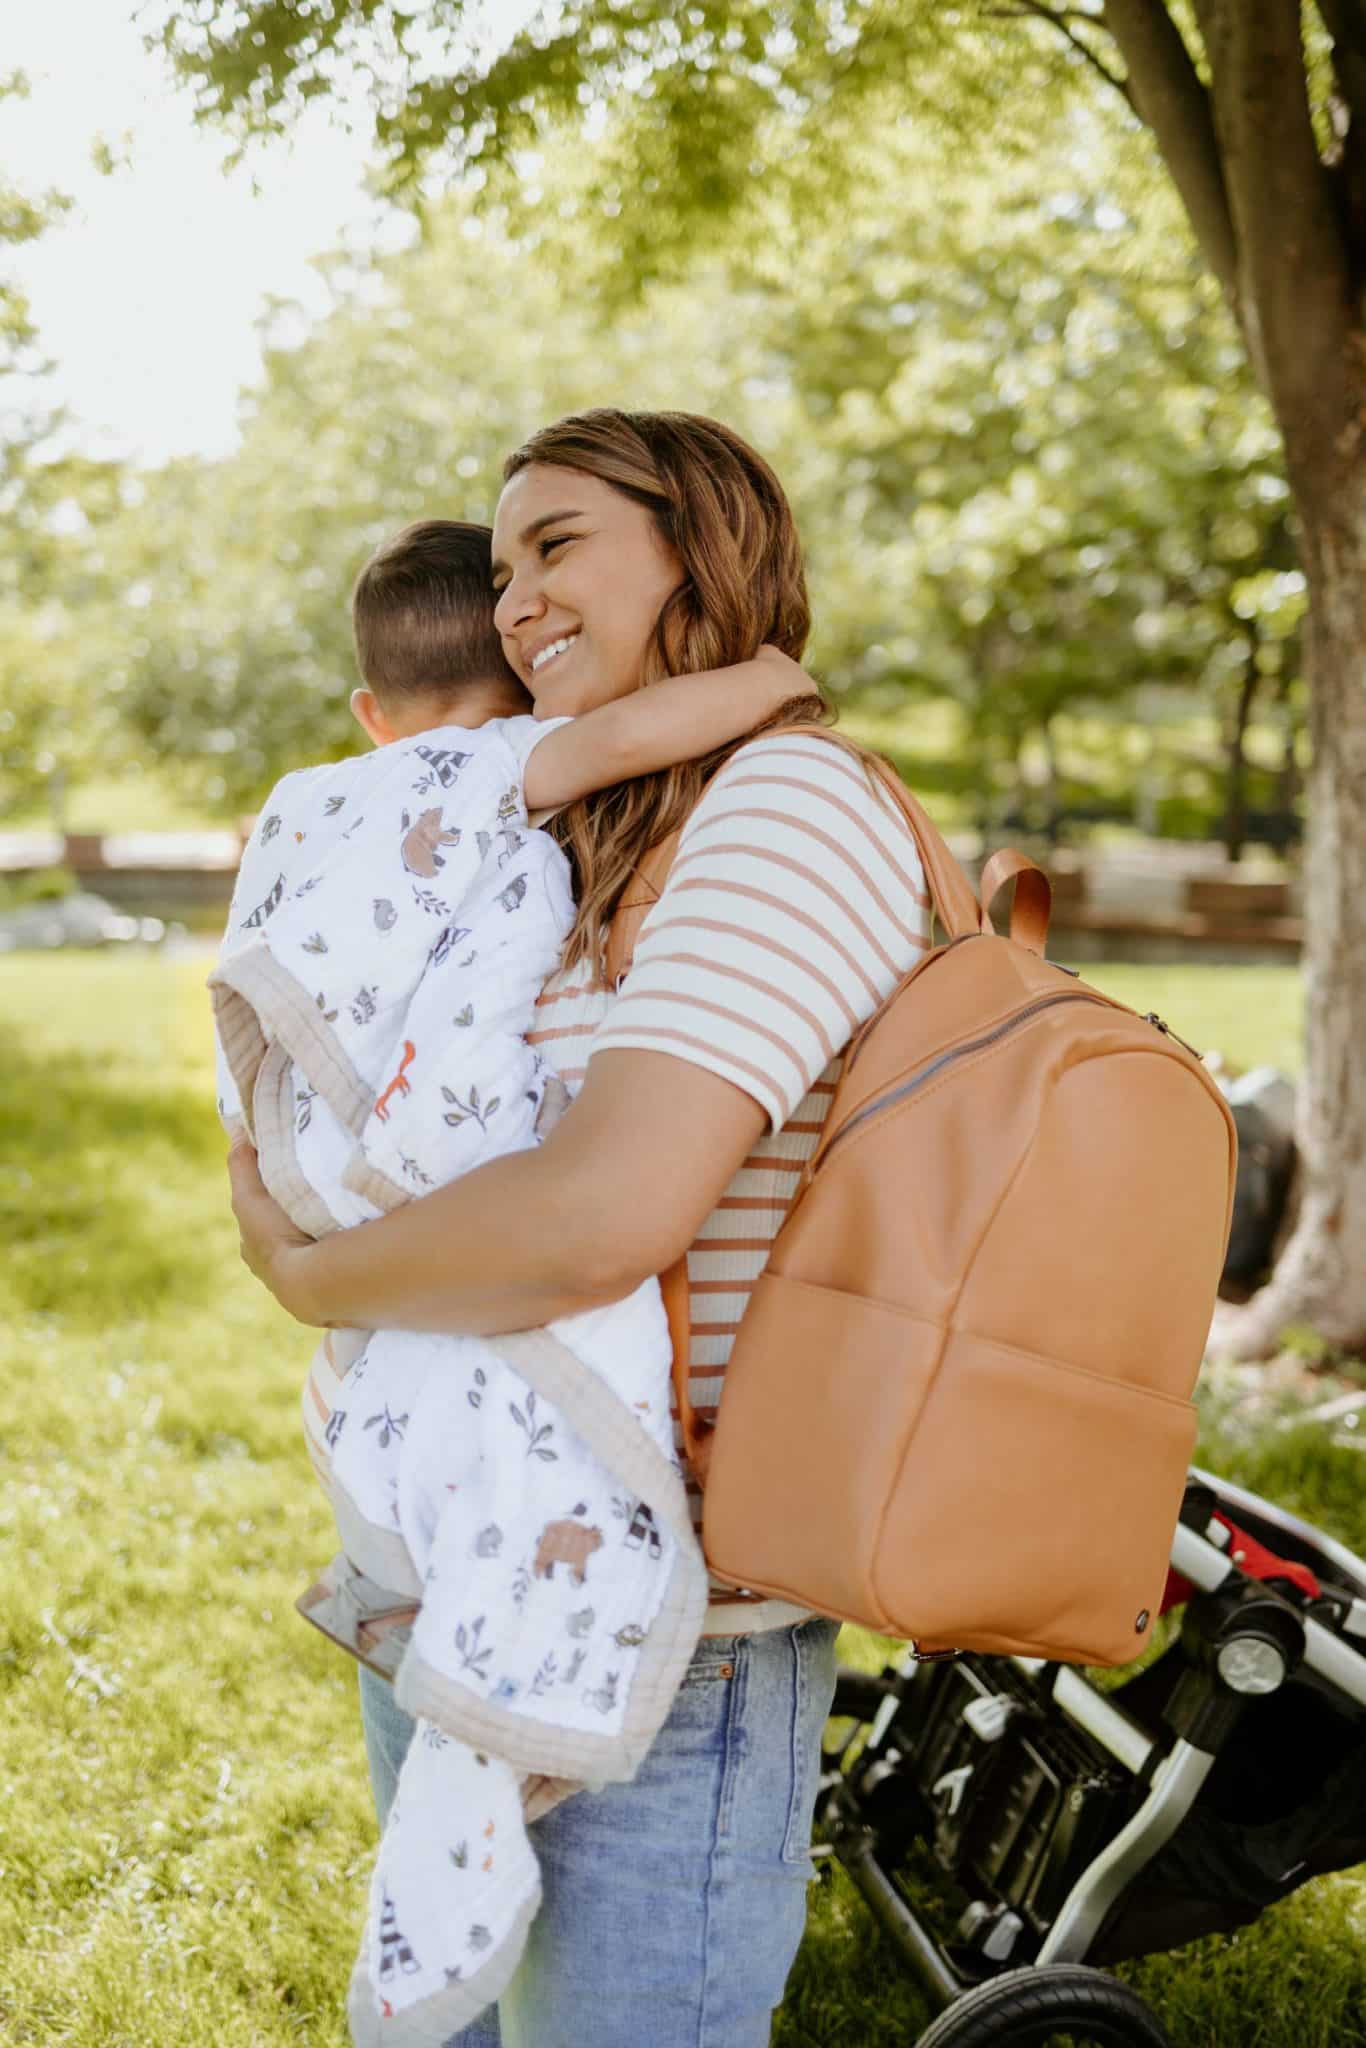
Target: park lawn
(187,1827)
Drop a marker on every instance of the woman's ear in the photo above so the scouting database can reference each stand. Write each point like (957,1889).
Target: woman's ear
(366,708)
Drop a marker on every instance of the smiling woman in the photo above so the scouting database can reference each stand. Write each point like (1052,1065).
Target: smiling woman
(630,548)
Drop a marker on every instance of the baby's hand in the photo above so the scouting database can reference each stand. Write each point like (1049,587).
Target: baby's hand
(780,678)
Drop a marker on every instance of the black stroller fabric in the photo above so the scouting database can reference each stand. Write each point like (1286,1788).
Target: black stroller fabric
(1285,1802)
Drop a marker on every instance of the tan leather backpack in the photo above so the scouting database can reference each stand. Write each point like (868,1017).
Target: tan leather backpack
(958,1408)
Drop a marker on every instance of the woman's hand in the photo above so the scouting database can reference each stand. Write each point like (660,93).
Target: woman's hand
(272,1248)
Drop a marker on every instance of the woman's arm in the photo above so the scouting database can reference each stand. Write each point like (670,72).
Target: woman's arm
(618,1191)
(680,718)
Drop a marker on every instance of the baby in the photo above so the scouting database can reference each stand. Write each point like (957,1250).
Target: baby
(394,919)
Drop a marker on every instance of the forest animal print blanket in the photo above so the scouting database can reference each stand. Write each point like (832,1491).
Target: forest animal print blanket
(393,921)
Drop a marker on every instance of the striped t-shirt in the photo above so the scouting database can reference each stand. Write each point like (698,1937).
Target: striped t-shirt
(794,905)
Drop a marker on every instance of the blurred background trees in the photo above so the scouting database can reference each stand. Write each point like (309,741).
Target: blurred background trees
(1035,481)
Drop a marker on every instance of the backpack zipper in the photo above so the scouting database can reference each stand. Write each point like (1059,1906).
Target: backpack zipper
(957,1052)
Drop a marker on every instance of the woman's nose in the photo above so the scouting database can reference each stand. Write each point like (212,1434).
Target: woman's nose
(517,602)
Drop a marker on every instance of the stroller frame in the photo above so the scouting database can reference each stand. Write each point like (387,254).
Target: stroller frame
(1251,1625)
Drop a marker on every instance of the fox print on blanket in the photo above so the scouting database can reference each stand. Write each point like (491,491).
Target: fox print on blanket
(400,1085)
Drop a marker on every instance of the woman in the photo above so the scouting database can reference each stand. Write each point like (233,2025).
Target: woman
(626,547)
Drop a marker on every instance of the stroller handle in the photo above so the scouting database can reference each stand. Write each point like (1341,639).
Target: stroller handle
(1207,1566)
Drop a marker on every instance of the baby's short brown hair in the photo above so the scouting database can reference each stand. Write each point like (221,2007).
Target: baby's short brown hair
(422,611)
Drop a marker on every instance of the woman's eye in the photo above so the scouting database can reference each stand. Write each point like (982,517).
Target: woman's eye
(557,540)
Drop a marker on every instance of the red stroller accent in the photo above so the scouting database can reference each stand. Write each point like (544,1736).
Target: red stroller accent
(1079,1827)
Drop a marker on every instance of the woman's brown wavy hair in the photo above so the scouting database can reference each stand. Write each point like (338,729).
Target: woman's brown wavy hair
(722,510)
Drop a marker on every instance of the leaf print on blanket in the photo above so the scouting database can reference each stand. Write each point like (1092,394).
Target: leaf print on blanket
(316,943)
(434,905)
(329,1016)
(473,1108)
(545,1675)
(465,1018)
(512,896)
(536,1433)
(390,1427)
(474,1652)
(386,917)
(333,805)
(475,1396)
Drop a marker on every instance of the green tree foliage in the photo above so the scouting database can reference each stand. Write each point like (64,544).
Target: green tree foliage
(55,712)
(1030,474)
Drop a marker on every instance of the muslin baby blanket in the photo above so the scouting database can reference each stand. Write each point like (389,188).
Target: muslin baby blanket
(393,921)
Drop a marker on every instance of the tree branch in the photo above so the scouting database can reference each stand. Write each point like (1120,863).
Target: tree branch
(1294,282)
(1345,21)
(1166,93)
(1039,10)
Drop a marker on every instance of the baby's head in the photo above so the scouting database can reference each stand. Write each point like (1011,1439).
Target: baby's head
(422,611)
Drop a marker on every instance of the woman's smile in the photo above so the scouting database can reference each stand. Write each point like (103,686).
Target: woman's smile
(551,651)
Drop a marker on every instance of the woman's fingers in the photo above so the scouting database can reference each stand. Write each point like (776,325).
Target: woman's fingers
(264,1230)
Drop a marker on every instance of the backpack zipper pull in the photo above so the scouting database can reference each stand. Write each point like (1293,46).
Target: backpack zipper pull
(1161,1024)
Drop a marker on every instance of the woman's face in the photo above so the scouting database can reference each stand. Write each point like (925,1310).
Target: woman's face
(582,574)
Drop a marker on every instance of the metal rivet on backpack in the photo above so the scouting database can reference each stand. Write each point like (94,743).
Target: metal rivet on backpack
(1142,1621)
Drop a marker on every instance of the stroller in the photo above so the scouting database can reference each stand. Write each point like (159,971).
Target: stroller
(1078,1827)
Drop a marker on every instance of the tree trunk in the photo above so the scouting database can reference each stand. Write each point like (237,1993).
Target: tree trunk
(1288,775)
(1320,1279)
(1235,787)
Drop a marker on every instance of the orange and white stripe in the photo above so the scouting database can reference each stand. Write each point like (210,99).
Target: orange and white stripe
(794,906)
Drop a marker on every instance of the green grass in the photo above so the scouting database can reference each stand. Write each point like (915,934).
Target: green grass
(187,1826)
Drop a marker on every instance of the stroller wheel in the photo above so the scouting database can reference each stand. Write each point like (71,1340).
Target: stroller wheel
(1035,2008)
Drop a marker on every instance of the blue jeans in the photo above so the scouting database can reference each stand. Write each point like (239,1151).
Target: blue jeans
(673,1906)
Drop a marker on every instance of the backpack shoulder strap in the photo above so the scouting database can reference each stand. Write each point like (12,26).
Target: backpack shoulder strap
(639,898)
